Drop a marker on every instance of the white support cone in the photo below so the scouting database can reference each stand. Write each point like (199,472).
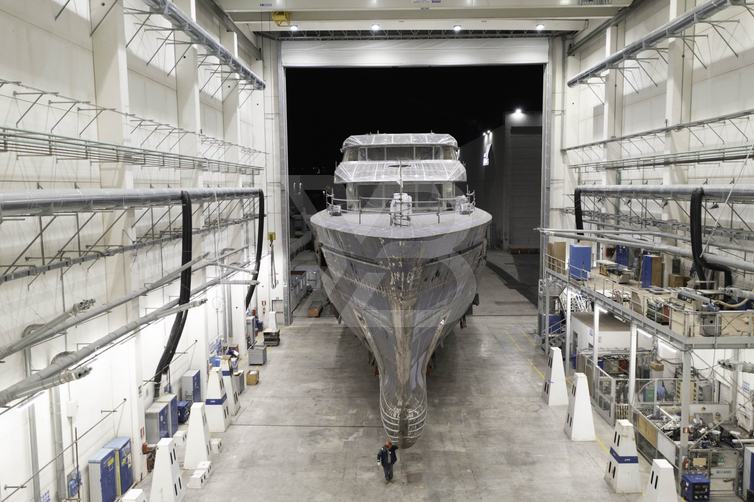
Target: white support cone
(623,467)
(218,416)
(134,495)
(579,425)
(233,405)
(272,323)
(166,476)
(661,484)
(555,392)
(197,438)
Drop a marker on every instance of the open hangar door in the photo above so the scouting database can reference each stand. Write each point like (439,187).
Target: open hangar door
(332,92)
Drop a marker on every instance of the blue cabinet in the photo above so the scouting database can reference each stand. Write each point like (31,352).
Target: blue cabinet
(156,422)
(651,270)
(102,482)
(621,255)
(580,261)
(191,386)
(124,474)
(172,402)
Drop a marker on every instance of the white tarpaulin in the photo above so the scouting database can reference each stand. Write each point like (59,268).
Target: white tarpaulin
(458,52)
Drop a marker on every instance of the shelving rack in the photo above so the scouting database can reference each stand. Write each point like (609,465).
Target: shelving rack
(35,144)
(216,146)
(219,207)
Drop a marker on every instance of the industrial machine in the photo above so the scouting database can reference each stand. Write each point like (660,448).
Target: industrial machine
(191,386)
(102,476)
(184,410)
(157,422)
(124,476)
(172,401)
(695,487)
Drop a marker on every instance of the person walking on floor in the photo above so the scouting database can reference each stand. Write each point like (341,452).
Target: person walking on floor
(386,457)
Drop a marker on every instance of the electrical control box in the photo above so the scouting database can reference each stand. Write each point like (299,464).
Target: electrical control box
(651,270)
(695,487)
(580,261)
(191,386)
(73,483)
(124,474)
(621,255)
(102,482)
(184,410)
(172,401)
(156,422)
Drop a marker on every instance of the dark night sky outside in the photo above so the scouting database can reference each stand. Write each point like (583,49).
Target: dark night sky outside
(326,105)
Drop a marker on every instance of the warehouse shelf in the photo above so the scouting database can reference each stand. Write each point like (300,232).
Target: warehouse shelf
(710,155)
(221,208)
(655,138)
(619,300)
(216,147)
(666,229)
(36,144)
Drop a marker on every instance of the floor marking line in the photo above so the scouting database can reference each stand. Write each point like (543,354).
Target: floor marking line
(602,445)
(542,375)
(518,347)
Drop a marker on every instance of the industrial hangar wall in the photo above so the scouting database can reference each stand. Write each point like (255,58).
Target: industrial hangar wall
(80,60)
(702,77)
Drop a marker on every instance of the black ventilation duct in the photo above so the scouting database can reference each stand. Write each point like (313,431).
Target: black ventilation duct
(697,247)
(183,296)
(260,239)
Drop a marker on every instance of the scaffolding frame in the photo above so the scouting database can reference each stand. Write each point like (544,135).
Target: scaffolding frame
(219,209)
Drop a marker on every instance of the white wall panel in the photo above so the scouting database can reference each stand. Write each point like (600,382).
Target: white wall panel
(415,52)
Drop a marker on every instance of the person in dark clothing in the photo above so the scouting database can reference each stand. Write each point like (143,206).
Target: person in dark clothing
(386,457)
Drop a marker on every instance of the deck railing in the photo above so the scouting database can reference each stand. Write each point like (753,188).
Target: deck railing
(399,209)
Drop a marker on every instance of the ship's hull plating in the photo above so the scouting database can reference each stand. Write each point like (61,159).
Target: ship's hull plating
(401,292)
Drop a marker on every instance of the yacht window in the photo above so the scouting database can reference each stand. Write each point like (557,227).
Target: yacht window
(444,152)
(349,155)
(423,153)
(400,153)
(376,153)
(362,154)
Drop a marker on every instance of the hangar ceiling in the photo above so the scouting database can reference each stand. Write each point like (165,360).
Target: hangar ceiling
(409,18)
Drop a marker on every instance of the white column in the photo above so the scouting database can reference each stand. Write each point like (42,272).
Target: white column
(111,90)
(685,402)
(677,110)
(613,116)
(568,332)
(632,364)
(735,377)
(189,118)
(595,347)
(235,295)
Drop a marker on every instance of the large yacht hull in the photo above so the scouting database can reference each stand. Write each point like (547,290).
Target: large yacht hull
(401,290)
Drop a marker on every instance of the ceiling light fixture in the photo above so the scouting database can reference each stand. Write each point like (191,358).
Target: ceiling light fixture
(540,27)
(376,27)
(456,28)
(294,27)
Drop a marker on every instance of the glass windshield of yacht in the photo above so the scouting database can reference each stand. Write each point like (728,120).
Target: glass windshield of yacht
(399,153)
(379,195)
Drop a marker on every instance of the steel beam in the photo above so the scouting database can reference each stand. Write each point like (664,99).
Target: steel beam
(674,28)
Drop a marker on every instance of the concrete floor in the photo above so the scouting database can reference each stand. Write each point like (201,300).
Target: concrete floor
(311,429)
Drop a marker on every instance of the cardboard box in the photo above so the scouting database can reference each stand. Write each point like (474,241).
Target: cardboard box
(677,281)
(252,377)
(556,255)
(651,270)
